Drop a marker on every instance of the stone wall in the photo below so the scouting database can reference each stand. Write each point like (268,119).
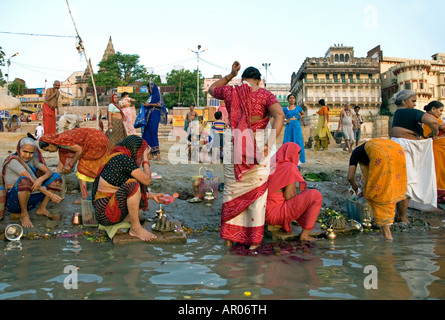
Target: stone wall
(375,126)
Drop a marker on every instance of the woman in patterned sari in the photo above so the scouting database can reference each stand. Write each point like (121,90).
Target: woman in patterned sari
(435,108)
(86,147)
(383,166)
(119,190)
(29,182)
(245,177)
(116,129)
(156,113)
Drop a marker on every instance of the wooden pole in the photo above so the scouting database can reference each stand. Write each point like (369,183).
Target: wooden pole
(81,48)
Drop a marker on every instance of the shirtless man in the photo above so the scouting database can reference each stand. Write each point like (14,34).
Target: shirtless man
(191,115)
(50,105)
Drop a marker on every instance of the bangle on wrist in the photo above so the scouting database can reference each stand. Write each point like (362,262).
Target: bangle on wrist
(145,162)
(228,80)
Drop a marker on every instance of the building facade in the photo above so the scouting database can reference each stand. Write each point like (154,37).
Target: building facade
(338,77)
(425,77)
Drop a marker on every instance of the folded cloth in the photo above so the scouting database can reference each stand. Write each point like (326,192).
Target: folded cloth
(420,168)
(111,230)
(154,175)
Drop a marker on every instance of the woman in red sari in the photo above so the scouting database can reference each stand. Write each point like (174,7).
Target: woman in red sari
(284,205)
(245,173)
(85,146)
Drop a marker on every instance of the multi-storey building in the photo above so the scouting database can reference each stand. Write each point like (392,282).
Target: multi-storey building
(338,77)
(425,77)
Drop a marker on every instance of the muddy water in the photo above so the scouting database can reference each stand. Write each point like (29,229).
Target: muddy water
(362,266)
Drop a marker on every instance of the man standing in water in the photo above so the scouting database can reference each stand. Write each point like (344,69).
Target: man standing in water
(50,105)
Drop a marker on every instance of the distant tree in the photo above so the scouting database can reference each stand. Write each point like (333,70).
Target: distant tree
(142,97)
(384,108)
(2,63)
(185,82)
(120,70)
(16,88)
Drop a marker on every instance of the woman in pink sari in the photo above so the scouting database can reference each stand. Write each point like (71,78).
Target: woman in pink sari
(127,106)
(245,177)
(284,205)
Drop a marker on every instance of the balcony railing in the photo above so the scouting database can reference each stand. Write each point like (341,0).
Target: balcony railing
(351,100)
(320,81)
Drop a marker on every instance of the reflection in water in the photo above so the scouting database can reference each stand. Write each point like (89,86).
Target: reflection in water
(410,267)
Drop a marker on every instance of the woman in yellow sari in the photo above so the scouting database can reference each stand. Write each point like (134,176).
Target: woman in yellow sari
(322,133)
(383,166)
(435,108)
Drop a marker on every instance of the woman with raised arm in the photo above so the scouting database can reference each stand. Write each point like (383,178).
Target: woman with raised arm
(250,109)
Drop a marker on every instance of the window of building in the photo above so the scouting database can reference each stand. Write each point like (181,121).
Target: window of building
(315,76)
(342,58)
(358,76)
(336,58)
(327,76)
(370,75)
(421,85)
(347,58)
(407,85)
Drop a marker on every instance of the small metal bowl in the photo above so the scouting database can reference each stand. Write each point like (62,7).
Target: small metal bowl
(13,232)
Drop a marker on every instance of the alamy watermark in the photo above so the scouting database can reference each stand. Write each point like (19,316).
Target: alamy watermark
(71,280)
(371,20)
(204,148)
(371,280)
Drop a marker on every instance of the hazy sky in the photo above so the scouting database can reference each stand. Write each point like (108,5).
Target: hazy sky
(280,32)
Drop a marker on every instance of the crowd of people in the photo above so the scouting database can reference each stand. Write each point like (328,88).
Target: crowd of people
(260,187)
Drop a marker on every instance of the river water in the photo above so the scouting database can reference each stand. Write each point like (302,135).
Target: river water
(357,267)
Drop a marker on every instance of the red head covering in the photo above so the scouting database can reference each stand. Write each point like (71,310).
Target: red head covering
(284,168)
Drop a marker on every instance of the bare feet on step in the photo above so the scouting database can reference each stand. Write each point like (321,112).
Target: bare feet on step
(142,234)
(43,212)
(26,222)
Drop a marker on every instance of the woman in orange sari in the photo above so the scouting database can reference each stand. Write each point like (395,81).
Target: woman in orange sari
(435,108)
(322,133)
(85,146)
(383,166)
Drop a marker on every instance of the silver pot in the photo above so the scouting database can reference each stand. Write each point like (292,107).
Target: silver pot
(13,232)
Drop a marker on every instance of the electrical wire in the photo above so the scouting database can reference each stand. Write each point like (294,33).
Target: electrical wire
(45,73)
(215,65)
(38,35)
(27,65)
